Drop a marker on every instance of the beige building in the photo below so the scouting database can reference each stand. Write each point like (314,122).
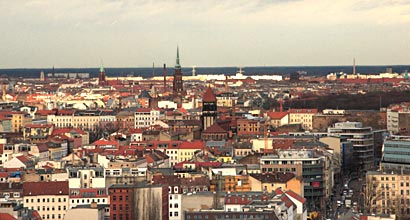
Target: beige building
(49,199)
(391,193)
(303,117)
(89,212)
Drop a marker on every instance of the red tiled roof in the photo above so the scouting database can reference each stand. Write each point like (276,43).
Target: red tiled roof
(199,164)
(277,115)
(6,216)
(67,130)
(65,112)
(143,110)
(192,145)
(23,159)
(287,201)
(209,95)
(105,142)
(46,112)
(214,128)
(295,196)
(45,188)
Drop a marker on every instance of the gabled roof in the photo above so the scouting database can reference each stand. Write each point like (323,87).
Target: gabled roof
(295,196)
(214,128)
(209,95)
(277,115)
(287,201)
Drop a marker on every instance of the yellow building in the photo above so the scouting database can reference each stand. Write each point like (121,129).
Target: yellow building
(49,199)
(187,150)
(303,117)
(19,120)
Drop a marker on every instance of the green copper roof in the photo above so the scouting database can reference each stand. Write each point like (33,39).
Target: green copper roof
(102,68)
(177,65)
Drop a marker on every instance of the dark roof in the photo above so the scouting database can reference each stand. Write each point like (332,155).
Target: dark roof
(273,177)
(209,95)
(214,128)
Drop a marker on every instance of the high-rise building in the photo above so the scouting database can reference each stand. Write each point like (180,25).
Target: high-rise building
(209,109)
(362,140)
(177,83)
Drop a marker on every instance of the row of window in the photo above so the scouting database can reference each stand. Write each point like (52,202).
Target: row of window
(88,201)
(52,216)
(49,208)
(46,200)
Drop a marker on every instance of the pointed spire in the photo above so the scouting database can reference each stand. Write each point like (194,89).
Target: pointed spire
(102,68)
(177,65)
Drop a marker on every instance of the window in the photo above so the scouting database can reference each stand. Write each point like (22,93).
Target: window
(176,214)
(170,214)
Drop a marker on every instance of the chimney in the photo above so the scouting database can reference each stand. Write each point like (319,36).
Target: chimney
(93,205)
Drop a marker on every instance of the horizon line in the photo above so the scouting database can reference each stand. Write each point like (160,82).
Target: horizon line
(170,67)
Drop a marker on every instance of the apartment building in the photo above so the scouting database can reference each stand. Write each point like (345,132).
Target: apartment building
(396,154)
(312,165)
(50,199)
(391,193)
(145,117)
(303,117)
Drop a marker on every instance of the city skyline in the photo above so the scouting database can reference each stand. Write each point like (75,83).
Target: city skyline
(209,33)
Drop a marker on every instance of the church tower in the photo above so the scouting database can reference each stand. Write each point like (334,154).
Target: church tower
(209,109)
(101,76)
(177,83)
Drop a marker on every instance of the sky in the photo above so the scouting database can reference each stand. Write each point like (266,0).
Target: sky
(138,33)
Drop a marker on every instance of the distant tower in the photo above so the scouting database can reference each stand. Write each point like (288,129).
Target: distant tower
(165,77)
(53,73)
(209,109)
(354,66)
(42,78)
(153,69)
(193,71)
(101,76)
(177,84)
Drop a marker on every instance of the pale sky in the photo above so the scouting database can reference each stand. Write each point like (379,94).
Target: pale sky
(136,33)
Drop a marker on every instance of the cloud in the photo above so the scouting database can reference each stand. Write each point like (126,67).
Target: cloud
(212,32)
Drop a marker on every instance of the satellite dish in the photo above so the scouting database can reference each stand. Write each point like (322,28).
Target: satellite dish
(7,197)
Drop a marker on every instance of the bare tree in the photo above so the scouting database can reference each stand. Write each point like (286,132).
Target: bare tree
(372,193)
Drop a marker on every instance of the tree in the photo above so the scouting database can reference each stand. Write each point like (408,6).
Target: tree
(372,193)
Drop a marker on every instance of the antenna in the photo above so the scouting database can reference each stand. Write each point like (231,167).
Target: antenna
(354,66)
(153,69)
(193,70)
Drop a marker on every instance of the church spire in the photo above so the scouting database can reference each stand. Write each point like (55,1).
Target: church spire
(177,65)
(102,68)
